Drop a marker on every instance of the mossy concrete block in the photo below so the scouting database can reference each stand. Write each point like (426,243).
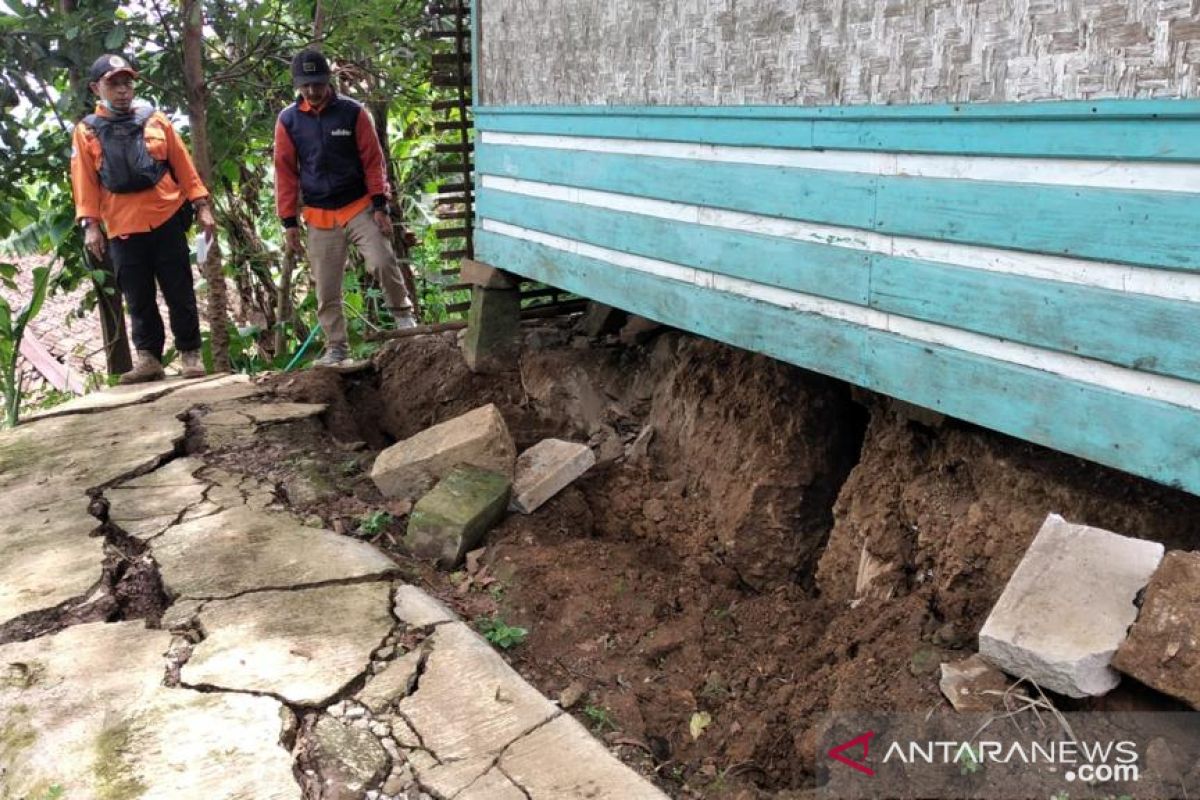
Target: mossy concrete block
(454,517)
(480,437)
(493,343)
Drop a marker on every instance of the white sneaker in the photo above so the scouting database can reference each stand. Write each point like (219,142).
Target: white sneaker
(404,319)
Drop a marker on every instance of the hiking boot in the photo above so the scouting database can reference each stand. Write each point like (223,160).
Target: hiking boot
(332,357)
(193,365)
(404,318)
(148,368)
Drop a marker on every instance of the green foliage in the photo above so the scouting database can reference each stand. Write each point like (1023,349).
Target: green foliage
(968,761)
(55,792)
(601,719)
(12,330)
(501,634)
(380,59)
(374,523)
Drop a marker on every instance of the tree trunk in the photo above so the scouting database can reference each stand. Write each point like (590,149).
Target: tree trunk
(283,313)
(318,27)
(117,357)
(197,100)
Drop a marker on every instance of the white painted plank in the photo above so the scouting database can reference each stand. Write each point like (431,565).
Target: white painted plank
(1097,373)
(1168,284)
(1096,174)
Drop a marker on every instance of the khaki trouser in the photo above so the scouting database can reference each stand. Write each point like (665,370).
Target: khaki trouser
(327,248)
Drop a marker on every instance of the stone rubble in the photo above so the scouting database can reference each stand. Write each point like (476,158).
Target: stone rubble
(1163,648)
(1068,607)
(546,469)
(408,469)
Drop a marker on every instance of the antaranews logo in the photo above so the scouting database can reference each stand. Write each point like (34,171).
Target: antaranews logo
(1001,756)
(863,740)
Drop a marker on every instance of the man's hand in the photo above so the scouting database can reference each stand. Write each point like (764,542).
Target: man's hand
(93,240)
(207,222)
(383,222)
(293,240)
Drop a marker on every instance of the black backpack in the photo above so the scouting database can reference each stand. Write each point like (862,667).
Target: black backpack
(127,165)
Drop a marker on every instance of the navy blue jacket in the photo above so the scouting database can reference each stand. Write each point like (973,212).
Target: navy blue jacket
(333,154)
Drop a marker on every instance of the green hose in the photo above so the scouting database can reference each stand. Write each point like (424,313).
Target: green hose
(300,353)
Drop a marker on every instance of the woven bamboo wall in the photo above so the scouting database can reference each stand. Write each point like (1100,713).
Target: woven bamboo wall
(831,52)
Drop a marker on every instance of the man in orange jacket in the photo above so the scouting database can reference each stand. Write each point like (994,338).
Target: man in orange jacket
(328,155)
(133,179)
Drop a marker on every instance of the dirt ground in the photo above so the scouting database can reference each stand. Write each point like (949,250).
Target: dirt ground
(756,544)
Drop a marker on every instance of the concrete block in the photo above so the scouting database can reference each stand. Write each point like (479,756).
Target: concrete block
(483,275)
(1163,648)
(546,469)
(455,516)
(600,320)
(408,469)
(973,686)
(639,330)
(493,343)
(1068,606)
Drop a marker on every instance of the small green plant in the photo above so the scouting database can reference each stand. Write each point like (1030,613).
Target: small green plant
(374,523)
(1060,796)
(601,718)
(349,467)
(55,792)
(501,634)
(12,330)
(496,592)
(968,761)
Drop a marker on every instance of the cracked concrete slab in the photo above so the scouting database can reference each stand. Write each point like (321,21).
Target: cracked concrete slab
(267,413)
(417,609)
(240,550)
(117,396)
(450,778)
(47,560)
(493,785)
(470,703)
(85,709)
(304,646)
(394,683)
(561,761)
(178,472)
(147,502)
(85,451)
(227,418)
(47,467)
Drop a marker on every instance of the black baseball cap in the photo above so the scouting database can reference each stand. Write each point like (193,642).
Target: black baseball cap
(309,66)
(108,65)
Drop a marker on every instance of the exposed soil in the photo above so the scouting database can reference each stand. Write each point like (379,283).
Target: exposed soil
(755,544)
(129,588)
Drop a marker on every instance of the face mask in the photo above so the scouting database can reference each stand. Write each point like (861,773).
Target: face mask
(108,106)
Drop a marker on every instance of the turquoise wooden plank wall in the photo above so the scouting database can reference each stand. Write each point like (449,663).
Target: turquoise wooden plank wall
(1032,268)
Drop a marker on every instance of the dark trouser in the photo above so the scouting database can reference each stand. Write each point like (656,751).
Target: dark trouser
(162,255)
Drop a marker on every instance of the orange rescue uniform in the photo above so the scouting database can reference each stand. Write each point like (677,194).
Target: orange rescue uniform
(135,212)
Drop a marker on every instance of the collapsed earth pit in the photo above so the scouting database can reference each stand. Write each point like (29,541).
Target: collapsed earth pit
(757,545)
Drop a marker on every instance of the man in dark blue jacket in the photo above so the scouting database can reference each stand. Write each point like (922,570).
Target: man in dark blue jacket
(328,159)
